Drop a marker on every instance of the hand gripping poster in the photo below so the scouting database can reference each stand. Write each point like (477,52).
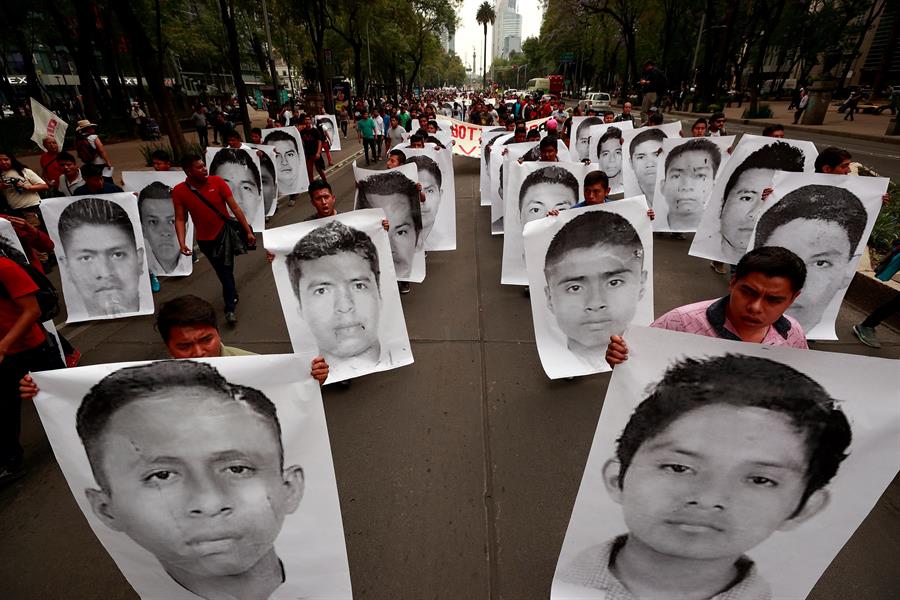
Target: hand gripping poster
(826,220)
(154,201)
(102,255)
(590,271)
(737,196)
(395,192)
(204,478)
(723,469)
(338,291)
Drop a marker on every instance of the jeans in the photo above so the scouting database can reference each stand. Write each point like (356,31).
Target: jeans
(344,128)
(224,272)
(370,143)
(883,312)
(12,369)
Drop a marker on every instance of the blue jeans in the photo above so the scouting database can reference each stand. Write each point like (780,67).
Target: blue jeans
(224,272)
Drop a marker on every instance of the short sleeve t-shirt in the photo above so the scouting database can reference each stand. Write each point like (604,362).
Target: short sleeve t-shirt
(24,199)
(207,224)
(16,283)
(311,138)
(366,128)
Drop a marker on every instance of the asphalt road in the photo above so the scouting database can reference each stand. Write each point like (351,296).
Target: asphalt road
(457,474)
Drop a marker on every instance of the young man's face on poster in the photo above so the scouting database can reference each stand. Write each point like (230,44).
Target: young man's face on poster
(644,161)
(158,225)
(341,303)
(688,183)
(287,161)
(543,197)
(402,233)
(742,204)
(105,268)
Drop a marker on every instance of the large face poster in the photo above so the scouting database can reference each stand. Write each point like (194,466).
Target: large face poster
(204,478)
(531,190)
(727,469)
(513,152)
(826,220)
(590,270)
(290,160)
(241,170)
(736,199)
(580,141)
(269,173)
(328,124)
(640,153)
(685,175)
(395,193)
(102,261)
(606,149)
(438,184)
(338,291)
(154,202)
(490,138)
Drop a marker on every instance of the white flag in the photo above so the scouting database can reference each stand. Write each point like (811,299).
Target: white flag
(47,123)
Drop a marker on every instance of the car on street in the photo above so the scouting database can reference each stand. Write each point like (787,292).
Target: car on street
(597,100)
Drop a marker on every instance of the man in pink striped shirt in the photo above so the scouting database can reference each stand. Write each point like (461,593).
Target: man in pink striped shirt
(766,282)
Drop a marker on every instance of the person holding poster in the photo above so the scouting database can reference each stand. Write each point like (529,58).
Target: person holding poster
(766,282)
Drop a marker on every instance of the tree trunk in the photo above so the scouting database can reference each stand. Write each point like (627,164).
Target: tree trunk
(774,17)
(483,61)
(888,57)
(234,61)
(358,75)
(146,54)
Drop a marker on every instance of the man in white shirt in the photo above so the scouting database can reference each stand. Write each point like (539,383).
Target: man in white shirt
(379,132)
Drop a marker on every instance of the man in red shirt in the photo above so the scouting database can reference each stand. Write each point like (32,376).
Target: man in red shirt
(208,222)
(23,348)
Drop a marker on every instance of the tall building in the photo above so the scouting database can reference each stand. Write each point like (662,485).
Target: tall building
(507,33)
(448,41)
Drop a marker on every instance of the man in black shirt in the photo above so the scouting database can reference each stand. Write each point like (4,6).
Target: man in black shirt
(312,148)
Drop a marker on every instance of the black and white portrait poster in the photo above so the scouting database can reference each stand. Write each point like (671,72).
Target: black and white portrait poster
(10,238)
(240,169)
(488,137)
(580,140)
(438,184)
(640,152)
(507,154)
(328,125)
(723,469)
(102,260)
(736,199)
(154,202)
(396,193)
(203,478)
(606,149)
(685,175)
(826,220)
(590,271)
(290,160)
(531,190)
(269,173)
(338,291)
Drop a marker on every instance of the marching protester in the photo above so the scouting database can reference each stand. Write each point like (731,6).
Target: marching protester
(95,182)
(312,148)
(50,169)
(207,199)
(90,149)
(201,126)
(20,186)
(71,178)
(716,125)
(365,129)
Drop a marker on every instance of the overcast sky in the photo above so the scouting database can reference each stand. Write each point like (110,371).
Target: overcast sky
(470,34)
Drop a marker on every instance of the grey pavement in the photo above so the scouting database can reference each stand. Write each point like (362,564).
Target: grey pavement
(457,474)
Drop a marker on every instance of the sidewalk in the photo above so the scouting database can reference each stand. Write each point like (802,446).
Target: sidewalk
(864,127)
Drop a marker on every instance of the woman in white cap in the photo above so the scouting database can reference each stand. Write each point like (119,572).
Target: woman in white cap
(88,145)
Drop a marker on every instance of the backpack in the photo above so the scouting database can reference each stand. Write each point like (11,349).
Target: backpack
(86,151)
(46,295)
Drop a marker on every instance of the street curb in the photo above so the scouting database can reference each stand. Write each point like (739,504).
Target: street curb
(887,139)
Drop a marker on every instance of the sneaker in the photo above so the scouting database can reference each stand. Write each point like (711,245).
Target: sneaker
(403,286)
(154,283)
(230,318)
(867,336)
(718,267)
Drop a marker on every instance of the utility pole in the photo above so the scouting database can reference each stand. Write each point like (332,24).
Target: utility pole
(272,72)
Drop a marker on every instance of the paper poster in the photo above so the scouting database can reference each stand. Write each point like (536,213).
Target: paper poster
(10,239)
(728,469)
(466,136)
(101,253)
(395,192)
(826,220)
(47,123)
(436,177)
(590,271)
(533,189)
(338,291)
(328,124)
(203,478)
(606,150)
(291,162)
(736,199)
(490,138)
(685,175)
(640,152)
(508,154)
(157,212)
(240,169)
(269,173)
(580,142)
